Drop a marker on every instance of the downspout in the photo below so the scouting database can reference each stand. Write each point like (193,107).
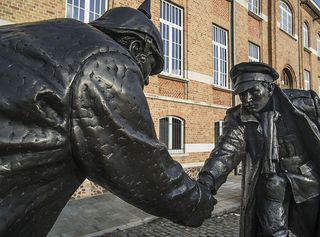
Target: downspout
(300,79)
(233,46)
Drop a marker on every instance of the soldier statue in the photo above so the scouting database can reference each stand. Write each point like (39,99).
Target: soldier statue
(275,133)
(72,107)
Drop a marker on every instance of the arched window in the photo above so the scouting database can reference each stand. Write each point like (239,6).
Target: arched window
(286,18)
(172,133)
(286,79)
(305,35)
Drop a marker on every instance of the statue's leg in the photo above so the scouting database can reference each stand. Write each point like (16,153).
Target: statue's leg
(273,197)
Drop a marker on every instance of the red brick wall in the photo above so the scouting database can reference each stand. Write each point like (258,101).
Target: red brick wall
(25,11)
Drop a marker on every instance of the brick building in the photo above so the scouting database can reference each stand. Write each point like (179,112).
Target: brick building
(203,39)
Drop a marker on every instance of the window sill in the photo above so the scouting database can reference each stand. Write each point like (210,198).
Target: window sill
(291,36)
(306,49)
(255,15)
(173,77)
(224,89)
(178,154)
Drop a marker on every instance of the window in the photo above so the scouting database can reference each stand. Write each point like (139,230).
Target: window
(286,79)
(171,29)
(307,85)
(220,57)
(305,35)
(254,6)
(318,45)
(86,10)
(254,52)
(172,134)
(285,18)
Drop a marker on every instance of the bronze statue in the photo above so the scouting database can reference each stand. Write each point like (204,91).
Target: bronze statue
(72,107)
(275,134)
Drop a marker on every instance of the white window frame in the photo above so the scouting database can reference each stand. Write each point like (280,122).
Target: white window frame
(170,138)
(318,44)
(307,80)
(222,78)
(254,6)
(86,9)
(251,48)
(172,26)
(305,35)
(286,18)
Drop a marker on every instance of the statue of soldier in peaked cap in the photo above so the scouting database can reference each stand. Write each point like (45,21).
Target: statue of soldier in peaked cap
(275,133)
(72,107)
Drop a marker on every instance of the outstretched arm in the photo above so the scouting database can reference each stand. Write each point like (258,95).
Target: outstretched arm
(230,150)
(115,143)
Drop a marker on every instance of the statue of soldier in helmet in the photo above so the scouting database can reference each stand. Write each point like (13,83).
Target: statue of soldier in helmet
(72,107)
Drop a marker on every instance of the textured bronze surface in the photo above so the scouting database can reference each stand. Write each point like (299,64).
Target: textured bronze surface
(72,107)
(276,135)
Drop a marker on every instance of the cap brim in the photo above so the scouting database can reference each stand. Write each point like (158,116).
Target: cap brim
(245,86)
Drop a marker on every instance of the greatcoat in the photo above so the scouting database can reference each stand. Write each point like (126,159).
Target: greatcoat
(240,142)
(72,107)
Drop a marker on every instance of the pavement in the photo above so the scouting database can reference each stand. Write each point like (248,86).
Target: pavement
(107,215)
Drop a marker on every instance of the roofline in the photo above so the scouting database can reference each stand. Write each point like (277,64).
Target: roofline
(313,6)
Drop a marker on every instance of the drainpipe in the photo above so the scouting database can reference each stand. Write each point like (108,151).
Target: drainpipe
(233,46)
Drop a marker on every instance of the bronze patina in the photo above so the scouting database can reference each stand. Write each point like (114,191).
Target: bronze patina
(275,133)
(72,107)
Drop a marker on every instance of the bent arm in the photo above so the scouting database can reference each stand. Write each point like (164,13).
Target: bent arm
(230,150)
(115,144)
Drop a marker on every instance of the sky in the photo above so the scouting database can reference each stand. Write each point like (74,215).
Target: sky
(318,2)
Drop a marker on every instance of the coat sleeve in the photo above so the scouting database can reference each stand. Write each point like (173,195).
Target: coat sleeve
(231,149)
(115,144)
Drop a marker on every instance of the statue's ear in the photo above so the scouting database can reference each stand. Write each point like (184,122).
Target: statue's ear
(136,47)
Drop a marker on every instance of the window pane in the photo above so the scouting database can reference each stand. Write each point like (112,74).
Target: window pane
(82,3)
(76,13)
(91,16)
(164,131)
(92,5)
(69,11)
(97,6)
(81,17)
(103,6)
(176,134)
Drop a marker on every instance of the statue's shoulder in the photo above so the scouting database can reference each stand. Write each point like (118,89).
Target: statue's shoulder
(234,111)
(306,101)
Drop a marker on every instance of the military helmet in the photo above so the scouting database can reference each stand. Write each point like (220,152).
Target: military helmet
(129,20)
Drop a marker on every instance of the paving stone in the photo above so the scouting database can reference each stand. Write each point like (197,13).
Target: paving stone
(226,225)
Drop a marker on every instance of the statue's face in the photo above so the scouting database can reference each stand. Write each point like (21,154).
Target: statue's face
(256,98)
